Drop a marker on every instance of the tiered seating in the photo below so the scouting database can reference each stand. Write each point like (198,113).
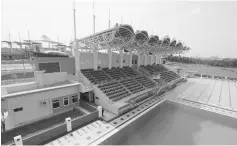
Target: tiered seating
(219,77)
(232,79)
(114,90)
(152,69)
(145,81)
(149,68)
(132,85)
(197,75)
(95,76)
(159,68)
(206,76)
(169,76)
(115,73)
(129,71)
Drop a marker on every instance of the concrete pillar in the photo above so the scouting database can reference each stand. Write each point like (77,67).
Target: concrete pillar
(95,59)
(160,59)
(68,124)
(77,61)
(145,59)
(18,140)
(152,59)
(39,77)
(130,58)
(138,59)
(121,58)
(99,108)
(157,57)
(110,58)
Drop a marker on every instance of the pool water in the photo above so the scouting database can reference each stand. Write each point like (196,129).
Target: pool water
(173,123)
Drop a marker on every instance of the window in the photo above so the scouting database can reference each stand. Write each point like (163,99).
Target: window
(132,61)
(66,101)
(123,61)
(50,67)
(135,61)
(56,103)
(18,109)
(74,99)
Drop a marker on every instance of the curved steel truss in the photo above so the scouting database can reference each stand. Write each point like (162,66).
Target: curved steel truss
(123,37)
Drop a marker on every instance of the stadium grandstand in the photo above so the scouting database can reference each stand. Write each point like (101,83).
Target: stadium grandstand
(113,76)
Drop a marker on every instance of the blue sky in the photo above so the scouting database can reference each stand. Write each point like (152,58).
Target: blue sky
(209,28)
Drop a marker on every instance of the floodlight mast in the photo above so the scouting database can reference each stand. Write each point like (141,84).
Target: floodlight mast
(93,18)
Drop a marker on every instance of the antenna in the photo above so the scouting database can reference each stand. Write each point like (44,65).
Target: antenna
(93,18)
(20,39)
(10,43)
(109,17)
(74,18)
(29,38)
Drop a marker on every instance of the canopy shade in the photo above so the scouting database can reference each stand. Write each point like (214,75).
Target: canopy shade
(141,37)
(166,41)
(173,43)
(179,44)
(153,41)
(123,37)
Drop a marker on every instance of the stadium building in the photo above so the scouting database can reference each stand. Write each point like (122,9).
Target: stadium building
(117,79)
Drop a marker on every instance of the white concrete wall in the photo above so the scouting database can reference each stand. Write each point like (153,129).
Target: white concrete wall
(21,87)
(148,59)
(51,78)
(142,59)
(126,58)
(86,60)
(32,108)
(115,60)
(104,60)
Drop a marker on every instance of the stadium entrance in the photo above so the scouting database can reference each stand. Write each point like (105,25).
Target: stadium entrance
(88,97)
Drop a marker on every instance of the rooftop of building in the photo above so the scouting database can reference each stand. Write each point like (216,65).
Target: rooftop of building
(39,126)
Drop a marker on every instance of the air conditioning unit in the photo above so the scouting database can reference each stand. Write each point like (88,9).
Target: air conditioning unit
(44,103)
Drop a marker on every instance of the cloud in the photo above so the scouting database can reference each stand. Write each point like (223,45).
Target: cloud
(196,11)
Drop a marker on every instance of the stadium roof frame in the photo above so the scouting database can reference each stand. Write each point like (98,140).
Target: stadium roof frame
(140,37)
(118,36)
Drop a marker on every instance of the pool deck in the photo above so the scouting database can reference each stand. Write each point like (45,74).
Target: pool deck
(195,89)
(220,94)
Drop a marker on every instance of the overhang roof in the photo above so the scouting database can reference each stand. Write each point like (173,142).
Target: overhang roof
(123,37)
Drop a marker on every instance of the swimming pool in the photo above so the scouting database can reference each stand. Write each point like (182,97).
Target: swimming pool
(174,123)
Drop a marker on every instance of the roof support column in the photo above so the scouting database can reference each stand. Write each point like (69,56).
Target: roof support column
(138,59)
(130,58)
(77,60)
(152,59)
(160,58)
(145,59)
(121,58)
(110,57)
(95,59)
(157,57)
